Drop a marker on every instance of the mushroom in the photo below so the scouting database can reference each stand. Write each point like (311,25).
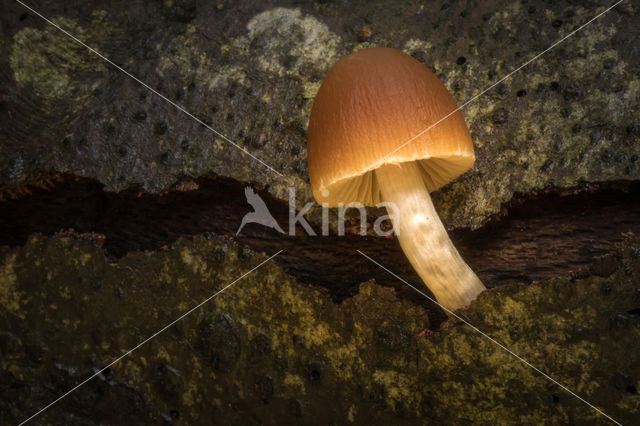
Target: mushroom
(370,105)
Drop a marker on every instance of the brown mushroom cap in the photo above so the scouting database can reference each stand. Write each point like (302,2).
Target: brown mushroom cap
(370,103)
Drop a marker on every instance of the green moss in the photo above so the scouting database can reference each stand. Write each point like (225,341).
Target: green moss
(50,62)
(294,384)
(399,388)
(269,338)
(9,297)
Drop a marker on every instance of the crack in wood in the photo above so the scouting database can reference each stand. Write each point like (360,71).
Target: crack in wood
(555,234)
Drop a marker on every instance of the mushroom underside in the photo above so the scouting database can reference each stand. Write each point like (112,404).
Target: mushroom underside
(364,187)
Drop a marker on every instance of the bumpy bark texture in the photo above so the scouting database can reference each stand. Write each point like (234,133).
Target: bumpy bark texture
(277,347)
(251,71)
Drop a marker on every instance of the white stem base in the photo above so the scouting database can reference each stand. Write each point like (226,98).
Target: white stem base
(424,239)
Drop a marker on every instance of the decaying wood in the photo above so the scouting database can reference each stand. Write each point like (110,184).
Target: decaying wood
(551,235)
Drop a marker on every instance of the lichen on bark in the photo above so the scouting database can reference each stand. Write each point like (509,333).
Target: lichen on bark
(251,73)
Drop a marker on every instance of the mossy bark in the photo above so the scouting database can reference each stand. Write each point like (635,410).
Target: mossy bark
(271,350)
(275,348)
(251,72)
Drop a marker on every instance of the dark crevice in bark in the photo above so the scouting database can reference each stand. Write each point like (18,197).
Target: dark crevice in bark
(557,233)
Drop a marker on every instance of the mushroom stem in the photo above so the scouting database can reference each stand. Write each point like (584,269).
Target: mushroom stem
(423,238)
